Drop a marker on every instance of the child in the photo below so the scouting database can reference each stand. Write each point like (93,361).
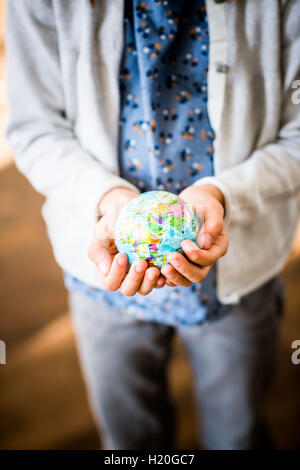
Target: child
(202,95)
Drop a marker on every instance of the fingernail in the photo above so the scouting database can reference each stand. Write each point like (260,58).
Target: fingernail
(174,260)
(207,240)
(151,275)
(164,270)
(169,271)
(189,245)
(139,267)
(120,259)
(103,268)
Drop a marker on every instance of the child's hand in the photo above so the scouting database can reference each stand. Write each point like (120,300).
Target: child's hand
(212,238)
(111,265)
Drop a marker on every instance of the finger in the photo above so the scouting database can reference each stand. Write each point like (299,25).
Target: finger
(105,227)
(160,282)
(188,270)
(132,281)
(213,225)
(149,281)
(172,275)
(99,254)
(112,248)
(206,257)
(113,280)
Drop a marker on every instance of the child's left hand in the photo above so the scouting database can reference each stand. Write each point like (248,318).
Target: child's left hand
(212,238)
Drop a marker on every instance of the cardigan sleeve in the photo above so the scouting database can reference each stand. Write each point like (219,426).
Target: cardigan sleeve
(272,172)
(41,137)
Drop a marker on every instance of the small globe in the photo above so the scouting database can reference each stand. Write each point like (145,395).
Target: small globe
(153,225)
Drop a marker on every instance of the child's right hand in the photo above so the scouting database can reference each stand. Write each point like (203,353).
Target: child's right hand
(111,265)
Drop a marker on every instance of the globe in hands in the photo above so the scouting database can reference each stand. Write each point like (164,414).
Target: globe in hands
(153,225)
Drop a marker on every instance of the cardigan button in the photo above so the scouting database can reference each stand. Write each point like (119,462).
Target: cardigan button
(221,68)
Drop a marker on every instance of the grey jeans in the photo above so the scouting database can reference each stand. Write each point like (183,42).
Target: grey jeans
(124,362)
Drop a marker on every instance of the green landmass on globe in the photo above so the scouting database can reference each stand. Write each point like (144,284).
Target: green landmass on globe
(153,225)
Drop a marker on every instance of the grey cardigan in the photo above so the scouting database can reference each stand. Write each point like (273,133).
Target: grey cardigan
(63,60)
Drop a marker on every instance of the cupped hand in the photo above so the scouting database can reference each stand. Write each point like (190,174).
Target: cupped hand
(113,266)
(212,240)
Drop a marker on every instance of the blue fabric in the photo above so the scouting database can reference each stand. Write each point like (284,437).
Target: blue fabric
(166,140)
(166,137)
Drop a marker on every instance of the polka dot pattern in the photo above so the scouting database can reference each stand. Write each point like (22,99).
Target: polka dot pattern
(166,140)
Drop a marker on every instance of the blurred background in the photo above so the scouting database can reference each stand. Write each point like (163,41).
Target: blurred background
(43,404)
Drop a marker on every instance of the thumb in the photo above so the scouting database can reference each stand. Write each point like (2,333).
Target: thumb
(99,254)
(212,227)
